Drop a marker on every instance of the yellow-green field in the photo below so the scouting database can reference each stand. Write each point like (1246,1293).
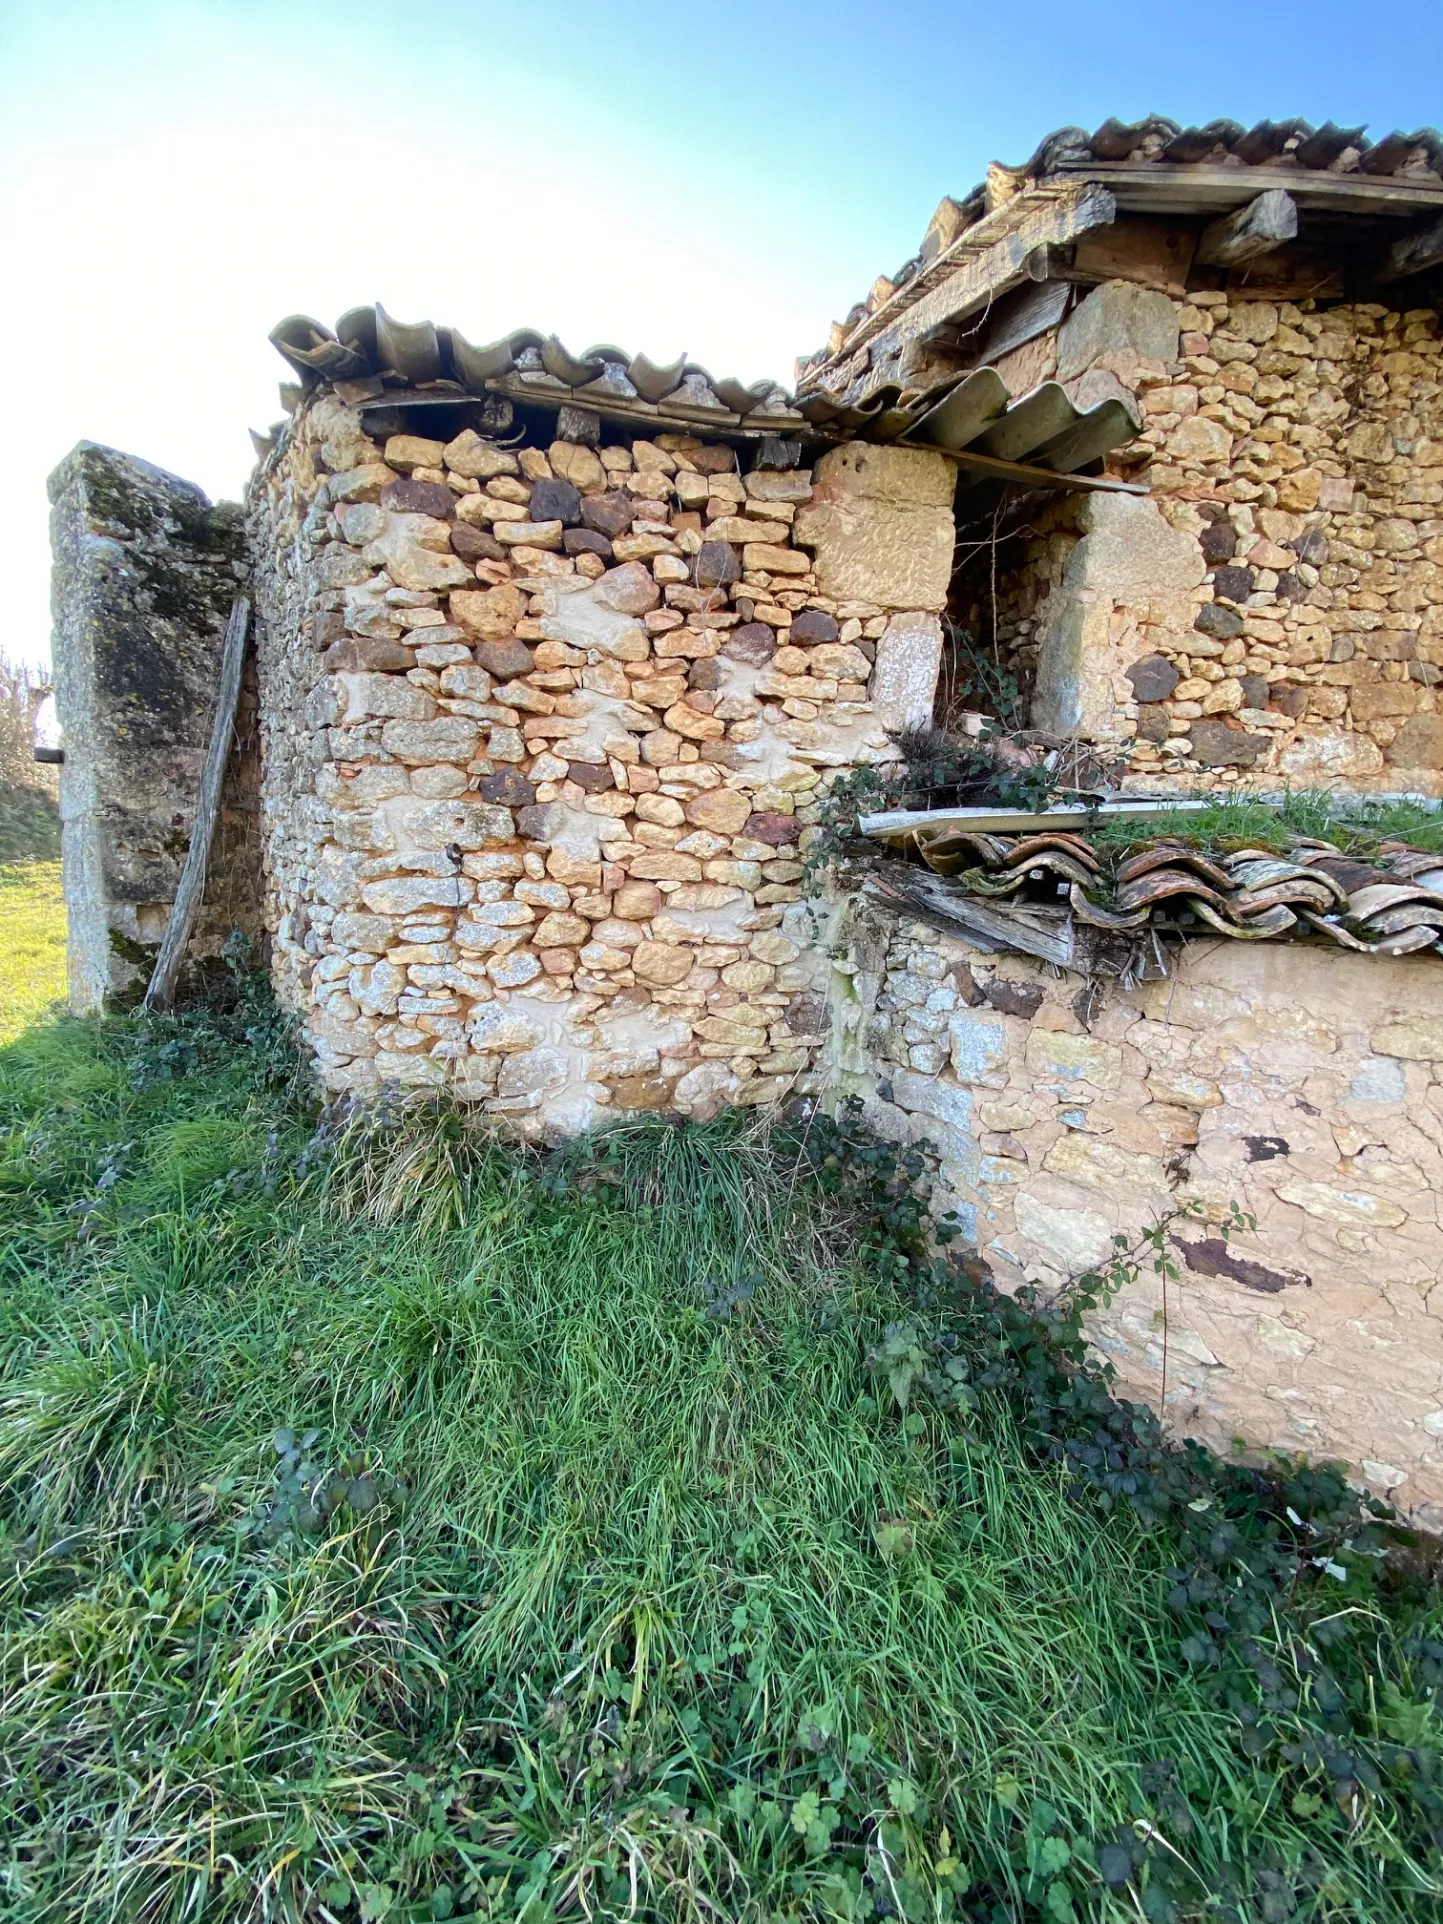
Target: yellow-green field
(32,945)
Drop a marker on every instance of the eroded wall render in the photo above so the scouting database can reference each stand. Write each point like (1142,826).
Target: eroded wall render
(544,727)
(1305,1087)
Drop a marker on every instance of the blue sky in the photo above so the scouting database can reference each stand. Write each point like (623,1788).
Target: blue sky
(177,174)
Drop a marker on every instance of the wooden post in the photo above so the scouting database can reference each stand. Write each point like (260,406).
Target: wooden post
(161,992)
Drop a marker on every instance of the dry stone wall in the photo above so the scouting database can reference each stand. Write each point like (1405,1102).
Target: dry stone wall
(545,725)
(1274,612)
(1304,1086)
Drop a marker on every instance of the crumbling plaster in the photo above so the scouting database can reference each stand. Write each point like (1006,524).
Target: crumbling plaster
(1304,1086)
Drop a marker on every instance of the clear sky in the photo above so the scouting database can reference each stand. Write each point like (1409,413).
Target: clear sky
(176,175)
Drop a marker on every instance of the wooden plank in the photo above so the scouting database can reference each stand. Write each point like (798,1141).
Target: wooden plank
(986,925)
(1029,476)
(1254,230)
(895,824)
(1056,221)
(1161,188)
(1036,308)
(1154,253)
(1413,253)
(161,991)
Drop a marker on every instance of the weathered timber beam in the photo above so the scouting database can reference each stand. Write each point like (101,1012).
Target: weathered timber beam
(1023,471)
(1057,221)
(1413,253)
(1265,223)
(1164,189)
(1051,937)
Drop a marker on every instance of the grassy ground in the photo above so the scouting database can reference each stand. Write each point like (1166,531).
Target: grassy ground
(400,1529)
(29,823)
(32,944)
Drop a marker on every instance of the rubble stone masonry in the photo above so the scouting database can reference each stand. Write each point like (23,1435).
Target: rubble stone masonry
(1273,614)
(544,727)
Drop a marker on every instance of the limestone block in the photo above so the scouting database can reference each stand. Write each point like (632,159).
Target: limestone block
(1072,1058)
(1119,320)
(1073,1240)
(723,810)
(410,1071)
(366,932)
(978,1046)
(1101,1163)
(1128,556)
(904,681)
(506,1027)
(448,738)
(533,1072)
(407,451)
(1318,761)
(386,696)
(1356,1208)
(880,524)
(490,614)
(923,1095)
(1417,744)
(662,963)
(415,551)
(1411,1038)
(1379,1079)
(404,894)
(415,823)
(1180,1088)
(582,617)
(702,1092)
(468,455)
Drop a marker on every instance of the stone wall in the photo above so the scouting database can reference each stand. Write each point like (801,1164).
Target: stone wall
(544,725)
(1304,1085)
(1273,614)
(145,574)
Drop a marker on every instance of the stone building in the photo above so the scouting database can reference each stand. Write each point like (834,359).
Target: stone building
(556,652)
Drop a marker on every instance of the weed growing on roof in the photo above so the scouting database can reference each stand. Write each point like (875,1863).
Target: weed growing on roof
(393,1526)
(1355,825)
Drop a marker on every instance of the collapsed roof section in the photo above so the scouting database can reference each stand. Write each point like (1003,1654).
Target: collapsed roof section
(1320,210)
(376,363)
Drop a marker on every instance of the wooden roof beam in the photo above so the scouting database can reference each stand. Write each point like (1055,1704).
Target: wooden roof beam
(1262,225)
(1413,253)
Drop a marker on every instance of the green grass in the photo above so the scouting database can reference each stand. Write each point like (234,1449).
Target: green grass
(32,945)
(399,1535)
(1355,827)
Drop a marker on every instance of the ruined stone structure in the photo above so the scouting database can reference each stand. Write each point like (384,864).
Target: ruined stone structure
(558,652)
(145,572)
